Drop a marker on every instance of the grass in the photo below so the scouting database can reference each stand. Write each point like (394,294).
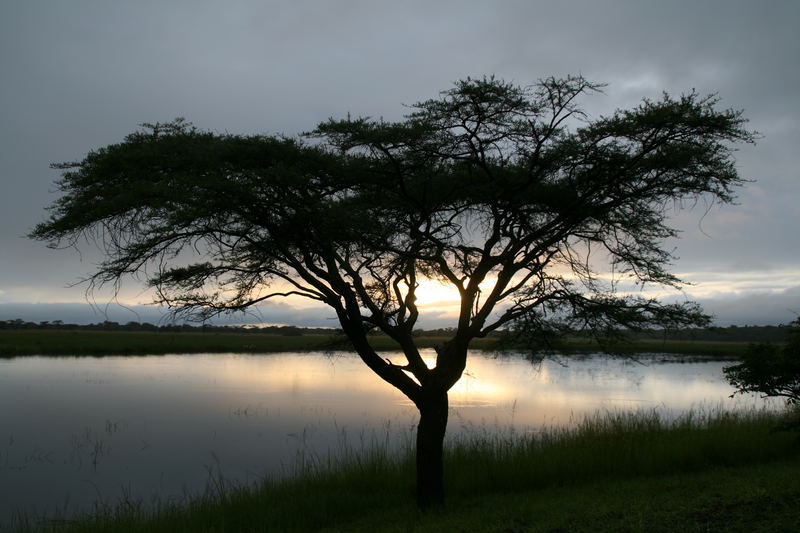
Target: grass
(709,349)
(708,471)
(72,342)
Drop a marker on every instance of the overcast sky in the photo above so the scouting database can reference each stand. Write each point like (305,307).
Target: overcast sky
(78,75)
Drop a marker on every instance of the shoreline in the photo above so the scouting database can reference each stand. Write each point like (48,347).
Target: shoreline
(614,472)
(17,343)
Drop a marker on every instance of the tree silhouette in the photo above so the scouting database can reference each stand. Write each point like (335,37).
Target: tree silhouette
(769,370)
(509,194)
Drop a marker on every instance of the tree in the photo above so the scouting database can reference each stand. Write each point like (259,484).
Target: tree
(506,193)
(769,370)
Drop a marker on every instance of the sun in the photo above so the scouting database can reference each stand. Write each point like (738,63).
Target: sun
(432,293)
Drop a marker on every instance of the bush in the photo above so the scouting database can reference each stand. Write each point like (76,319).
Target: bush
(770,370)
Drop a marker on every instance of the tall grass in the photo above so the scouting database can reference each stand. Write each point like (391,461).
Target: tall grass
(614,444)
(369,486)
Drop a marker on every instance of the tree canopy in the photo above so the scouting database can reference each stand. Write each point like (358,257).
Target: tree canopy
(512,195)
(770,370)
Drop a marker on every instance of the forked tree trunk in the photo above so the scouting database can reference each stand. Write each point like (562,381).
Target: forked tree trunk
(430,447)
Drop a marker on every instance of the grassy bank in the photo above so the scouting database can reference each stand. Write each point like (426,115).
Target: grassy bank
(75,342)
(709,349)
(71,342)
(614,472)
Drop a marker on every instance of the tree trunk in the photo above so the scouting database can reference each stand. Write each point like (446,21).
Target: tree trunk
(430,447)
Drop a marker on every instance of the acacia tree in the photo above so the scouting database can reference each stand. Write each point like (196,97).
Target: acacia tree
(501,191)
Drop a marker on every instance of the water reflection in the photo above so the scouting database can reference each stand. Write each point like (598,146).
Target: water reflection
(78,431)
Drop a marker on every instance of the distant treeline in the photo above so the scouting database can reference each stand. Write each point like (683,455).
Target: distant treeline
(756,334)
(172,328)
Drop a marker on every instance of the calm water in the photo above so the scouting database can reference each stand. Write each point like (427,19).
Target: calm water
(81,432)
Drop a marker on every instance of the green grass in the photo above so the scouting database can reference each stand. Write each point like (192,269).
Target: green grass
(711,349)
(67,342)
(72,342)
(613,472)
(76,342)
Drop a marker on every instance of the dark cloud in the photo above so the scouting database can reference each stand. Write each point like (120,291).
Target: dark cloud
(756,309)
(79,75)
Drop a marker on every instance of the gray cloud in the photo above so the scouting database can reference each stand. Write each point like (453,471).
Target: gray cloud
(755,309)
(79,75)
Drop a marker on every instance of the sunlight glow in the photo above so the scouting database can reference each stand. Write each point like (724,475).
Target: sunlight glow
(434,293)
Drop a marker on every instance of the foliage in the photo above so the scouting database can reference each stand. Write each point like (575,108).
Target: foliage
(769,370)
(485,184)
(509,194)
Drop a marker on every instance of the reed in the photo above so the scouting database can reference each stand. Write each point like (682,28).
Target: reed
(707,470)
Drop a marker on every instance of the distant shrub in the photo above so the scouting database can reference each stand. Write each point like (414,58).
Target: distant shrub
(771,370)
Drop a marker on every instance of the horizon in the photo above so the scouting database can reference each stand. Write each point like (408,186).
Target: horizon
(730,313)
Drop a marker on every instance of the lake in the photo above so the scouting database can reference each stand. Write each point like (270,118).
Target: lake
(76,433)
